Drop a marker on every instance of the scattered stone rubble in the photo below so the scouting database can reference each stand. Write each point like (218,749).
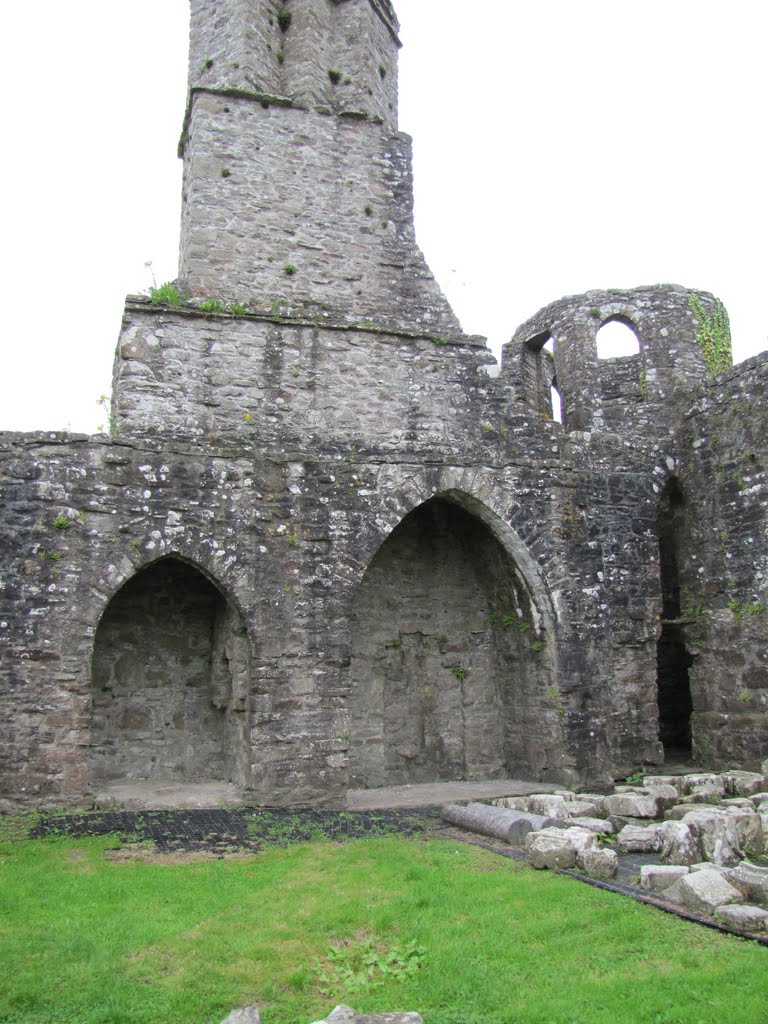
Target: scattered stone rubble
(340,1015)
(705,830)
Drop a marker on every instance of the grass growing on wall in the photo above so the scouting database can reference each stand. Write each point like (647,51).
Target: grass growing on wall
(95,941)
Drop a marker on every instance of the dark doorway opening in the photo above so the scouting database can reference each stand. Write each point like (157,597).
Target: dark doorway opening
(672,657)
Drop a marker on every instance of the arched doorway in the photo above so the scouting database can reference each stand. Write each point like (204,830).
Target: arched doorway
(450,677)
(169,682)
(673,659)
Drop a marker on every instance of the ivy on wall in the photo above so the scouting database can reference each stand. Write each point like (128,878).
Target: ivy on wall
(714,335)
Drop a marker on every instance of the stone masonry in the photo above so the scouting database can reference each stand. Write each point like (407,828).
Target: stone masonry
(326,545)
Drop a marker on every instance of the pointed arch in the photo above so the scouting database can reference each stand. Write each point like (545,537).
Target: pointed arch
(169,680)
(452,653)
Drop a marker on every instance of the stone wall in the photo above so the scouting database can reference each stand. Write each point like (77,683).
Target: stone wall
(324,547)
(295,172)
(724,564)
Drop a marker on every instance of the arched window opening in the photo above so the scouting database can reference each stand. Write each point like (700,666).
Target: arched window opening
(673,660)
(449,677)
(169,682)
(617,339)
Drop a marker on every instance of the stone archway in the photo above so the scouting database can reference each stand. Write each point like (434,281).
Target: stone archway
(169,682)
(451,675)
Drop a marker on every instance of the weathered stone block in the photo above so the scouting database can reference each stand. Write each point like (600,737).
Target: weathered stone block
(549,805)
(705,891)
(679,811)
(658,877)
(513,803)
(743,783)
(679,846)
(752,881)
(598,863)
(631,805)
(676,781)
(558,848)
(701,779)
(743,918)
(243,1015)
(346,1015)
(599,825)
(636,839)
(579,809)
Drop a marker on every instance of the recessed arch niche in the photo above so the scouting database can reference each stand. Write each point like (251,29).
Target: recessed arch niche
(169,682)
(451,673)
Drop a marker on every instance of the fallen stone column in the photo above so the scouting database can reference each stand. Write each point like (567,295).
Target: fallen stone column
(497,822)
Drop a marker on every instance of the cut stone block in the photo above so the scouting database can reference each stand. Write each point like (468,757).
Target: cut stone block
(752,881)
(665,780)
(679,846)
(743,918)
(707,790)
(758,799)
(582,838)
(498,822)
(513,803)
(704,795)
(705,891)
(679,811)
(700,779)
(631,805)
(665,796)
(557,848)
(598,801)
(243,1015)
(579,809)
(346,1015)
(548,804)
(600,825)
(598,863)
(704,865)
(340,1015)
(637,839)
(658,877)
(727,837)
(743,783)
(738,801)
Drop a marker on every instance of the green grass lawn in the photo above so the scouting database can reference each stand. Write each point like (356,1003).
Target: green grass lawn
(88,940)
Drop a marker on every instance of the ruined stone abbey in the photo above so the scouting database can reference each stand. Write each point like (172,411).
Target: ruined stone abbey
(326,546)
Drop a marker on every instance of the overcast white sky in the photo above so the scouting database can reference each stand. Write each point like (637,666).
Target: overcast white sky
(559,146)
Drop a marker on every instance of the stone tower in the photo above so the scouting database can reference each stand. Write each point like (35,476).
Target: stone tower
(297,185)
